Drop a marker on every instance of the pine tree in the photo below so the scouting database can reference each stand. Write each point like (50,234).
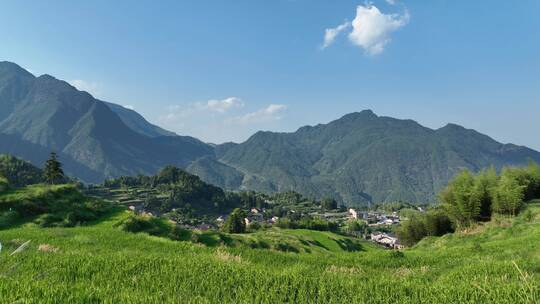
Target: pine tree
(53,169)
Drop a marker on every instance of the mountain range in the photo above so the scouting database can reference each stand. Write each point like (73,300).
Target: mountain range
(94,139)
(356,159)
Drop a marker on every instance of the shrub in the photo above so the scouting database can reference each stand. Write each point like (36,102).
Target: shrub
(138,223)
(178,233)
(8,218)
(48,220)
(528,215)
(307,223)
(235,222)
(432,223)
(254,226)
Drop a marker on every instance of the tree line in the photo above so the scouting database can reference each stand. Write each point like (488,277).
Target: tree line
(471,198)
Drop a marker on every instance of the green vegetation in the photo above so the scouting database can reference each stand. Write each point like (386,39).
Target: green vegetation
(235,223)
(297,241)
(329,204)
(140,259)
(431,223)
(495,264)
(308,223)
(49,206)
(55,236)
(358,159)
(181,195)
(93,139)
(18,172)
(4,184)
(53,172)
(470,198)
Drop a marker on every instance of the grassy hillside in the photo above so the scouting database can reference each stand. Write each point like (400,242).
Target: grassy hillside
(492,263)
(49,206)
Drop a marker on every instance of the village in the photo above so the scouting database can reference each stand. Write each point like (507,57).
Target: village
(380,224)
(376,225)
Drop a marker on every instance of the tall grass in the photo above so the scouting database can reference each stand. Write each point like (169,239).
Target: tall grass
(101,264)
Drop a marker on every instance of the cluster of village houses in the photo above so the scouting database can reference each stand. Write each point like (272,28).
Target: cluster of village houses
(254,216)
(373,218)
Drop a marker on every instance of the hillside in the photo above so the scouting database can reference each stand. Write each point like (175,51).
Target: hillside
(497,263)
(136,122)
(43,114)
(19,172)
(359,158)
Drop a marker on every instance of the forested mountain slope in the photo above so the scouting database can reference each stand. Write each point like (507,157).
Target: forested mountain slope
(43,114)
(359,158)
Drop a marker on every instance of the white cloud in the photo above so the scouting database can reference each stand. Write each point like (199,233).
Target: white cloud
(270,113)
(221,105)
(129,107)
(372,29)
(220,120)
(212,106)
(330,34)
(82,85)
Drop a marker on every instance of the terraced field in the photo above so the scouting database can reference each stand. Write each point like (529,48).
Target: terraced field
(494,263)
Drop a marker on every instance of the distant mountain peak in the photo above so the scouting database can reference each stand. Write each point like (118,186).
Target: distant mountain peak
(453,126)
(362,114)
(8,67)
(43,114)
(47,77)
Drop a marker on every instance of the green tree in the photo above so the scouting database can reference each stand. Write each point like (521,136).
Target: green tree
(412,231)
(235,223)
(437,223)
(484,186)
(355,227)
(53,169)
(509,194)
(533,186)
(459,200)
(329,204)
(432,223)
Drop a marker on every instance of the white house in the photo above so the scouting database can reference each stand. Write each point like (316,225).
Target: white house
(386,239)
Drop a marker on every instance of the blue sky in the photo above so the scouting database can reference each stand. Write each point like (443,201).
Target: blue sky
(221,70)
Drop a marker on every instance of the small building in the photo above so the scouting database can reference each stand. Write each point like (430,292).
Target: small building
(386,239)
(136,208)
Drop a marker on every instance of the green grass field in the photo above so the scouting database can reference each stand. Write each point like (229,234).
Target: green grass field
(498,262)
